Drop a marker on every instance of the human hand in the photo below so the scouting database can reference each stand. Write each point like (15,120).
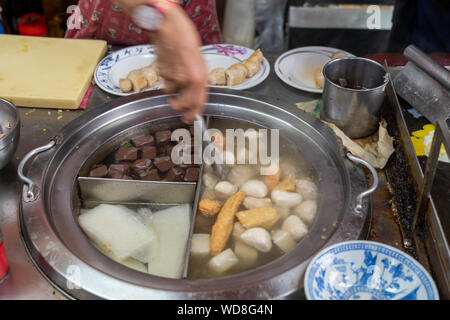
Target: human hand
(181,63)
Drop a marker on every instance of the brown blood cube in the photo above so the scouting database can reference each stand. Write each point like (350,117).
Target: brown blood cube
(118,168)
(163,163)
(152,175)
(175,174)
(116,175)
(146,140)
(163,137)
(191,174)
(99,172)
(165,150)
(141,167)
(126,154)
(149,152)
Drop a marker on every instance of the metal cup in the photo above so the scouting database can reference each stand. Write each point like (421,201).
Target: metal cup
(353,94)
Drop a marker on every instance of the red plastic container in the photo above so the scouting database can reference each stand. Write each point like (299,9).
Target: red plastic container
(4,267)
(32,24)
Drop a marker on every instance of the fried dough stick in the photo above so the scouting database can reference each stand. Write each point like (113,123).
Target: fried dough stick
(223,226)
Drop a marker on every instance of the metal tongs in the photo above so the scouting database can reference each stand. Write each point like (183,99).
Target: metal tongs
(217,167)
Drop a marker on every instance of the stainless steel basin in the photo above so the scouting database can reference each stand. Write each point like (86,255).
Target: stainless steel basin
(64,255)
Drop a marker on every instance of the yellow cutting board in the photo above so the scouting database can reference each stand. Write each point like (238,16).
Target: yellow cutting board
(47,72)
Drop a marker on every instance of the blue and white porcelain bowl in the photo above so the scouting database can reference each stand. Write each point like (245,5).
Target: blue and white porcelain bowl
(367,270)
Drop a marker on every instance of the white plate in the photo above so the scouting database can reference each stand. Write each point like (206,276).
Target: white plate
(367,270)
(224,55)
(297,67)
(118,64)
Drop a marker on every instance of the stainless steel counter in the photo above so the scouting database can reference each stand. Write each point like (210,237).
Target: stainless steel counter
(39,125)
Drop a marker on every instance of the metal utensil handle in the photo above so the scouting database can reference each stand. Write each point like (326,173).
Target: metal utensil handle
(31,194)
(217,166)
(360,197)
(428,64)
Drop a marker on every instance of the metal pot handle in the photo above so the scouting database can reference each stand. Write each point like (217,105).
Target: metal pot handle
(33,190)
(358,206)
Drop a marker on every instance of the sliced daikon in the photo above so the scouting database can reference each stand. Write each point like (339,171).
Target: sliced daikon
(129,262)
(116,229)
(223,262)
(246,254)
(283,240)
(134,264)
(200,244)
(172,229)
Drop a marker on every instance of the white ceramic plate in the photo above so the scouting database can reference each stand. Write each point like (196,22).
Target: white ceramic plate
(367,270)
(224,55)
(118,64)
(297,67)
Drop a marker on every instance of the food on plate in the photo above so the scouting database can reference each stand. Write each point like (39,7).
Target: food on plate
(140,79)
(147,157)
(273,213)
(142,240)
(151,75)
(125,85)
(236,74)
(217,77)
(252,67)
(257,56)
(319,79)
(209,207)
(338,54)
(223,226)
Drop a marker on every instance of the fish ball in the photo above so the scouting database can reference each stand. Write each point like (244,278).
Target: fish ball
(295,227)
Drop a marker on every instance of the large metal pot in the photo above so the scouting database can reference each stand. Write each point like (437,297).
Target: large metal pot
(65,256)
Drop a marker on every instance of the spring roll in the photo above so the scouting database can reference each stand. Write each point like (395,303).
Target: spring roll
(236,74)
(151,75)
(138,80)
(125,85)
(252,66)
(217,77)
(155,67)
(256,56)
